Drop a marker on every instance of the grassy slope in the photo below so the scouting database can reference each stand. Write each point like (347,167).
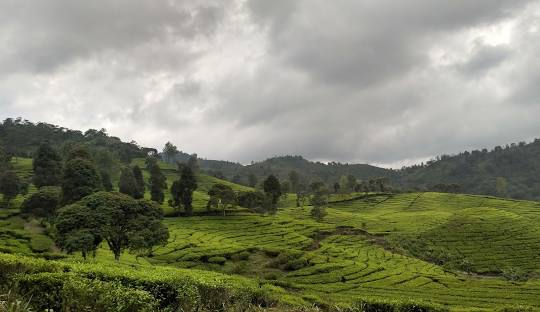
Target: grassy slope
(379,257)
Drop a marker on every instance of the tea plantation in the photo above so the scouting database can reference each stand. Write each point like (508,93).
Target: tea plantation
(375,252)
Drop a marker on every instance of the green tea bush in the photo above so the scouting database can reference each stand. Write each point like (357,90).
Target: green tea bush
(217,260)
(394,306)
(243,255)
(40,243)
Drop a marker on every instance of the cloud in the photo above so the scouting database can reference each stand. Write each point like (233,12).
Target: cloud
(360,81)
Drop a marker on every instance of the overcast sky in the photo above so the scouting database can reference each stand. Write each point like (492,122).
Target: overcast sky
(369,81)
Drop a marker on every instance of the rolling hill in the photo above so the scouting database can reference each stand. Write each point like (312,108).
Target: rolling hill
(439,251)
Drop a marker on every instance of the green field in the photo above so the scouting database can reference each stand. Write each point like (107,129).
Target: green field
(461,252)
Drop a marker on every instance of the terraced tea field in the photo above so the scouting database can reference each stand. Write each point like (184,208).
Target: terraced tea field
(355,251)
(462,252)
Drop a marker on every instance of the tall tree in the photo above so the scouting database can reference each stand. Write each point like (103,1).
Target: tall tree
(106,181)
(193,162)
(157,181)
(10,186)
(169,152)
(272,189)
(128,185)
(43,203)
(351,182)
(183,188)
(252,180)
(123,222)
(344,184)
(47,165)
(80,178)
(5,158)
(319,202)
(294,179)
(137,173)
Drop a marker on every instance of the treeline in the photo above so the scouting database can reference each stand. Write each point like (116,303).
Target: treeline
(20,138)
(78,206)
(510,171)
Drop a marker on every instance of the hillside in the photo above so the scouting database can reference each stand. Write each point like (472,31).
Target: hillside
(511,171)
(461,252)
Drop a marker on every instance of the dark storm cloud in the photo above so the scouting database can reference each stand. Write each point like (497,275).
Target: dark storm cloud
(41,35)
(384,81)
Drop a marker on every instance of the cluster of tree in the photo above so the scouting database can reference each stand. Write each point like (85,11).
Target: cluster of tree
(509,171)
(80,205)
(22,137)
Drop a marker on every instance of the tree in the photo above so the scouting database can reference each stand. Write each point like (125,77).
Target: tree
(43,203)
(78,229)
(128,185)
(157,181)
(121,221)
(351,182)
(250,199)
(337,187)
(5,158)
(272,189)
(193,162)
(47,165)
(79,179)
(294,179)
(301,195)
(169,152)
(221,197)
(106,181)
(10,186)
(501,186)
(182,190)
(252,180)
(344,184)
(285,188)
(236,179)
(319,202)
(137,173)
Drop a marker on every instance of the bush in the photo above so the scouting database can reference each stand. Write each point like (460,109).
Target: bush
(394,306)
(217,260)
(40,243)
(243,255)
(43,203)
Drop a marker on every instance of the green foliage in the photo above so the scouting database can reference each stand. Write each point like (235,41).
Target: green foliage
(79,229)
(250,199)
(128,185)
(80,178)
(47,166)
(221,197)
(169,153)
(10,185)
(272,189)
(157,181)
(24,137)
(217,260)
(106,181)
(183,188)
(137,173)
(43,203)
(123,222)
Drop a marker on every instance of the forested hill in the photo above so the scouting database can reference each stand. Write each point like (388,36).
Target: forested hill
(511,171)
(308,170)
(22,137)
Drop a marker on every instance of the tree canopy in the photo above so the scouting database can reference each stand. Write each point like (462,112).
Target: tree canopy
(122,221)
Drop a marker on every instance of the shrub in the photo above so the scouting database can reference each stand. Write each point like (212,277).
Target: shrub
(243,255)
(217,260)
(43,203)
(40,243)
